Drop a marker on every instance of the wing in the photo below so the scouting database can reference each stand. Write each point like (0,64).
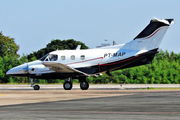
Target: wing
(59,67)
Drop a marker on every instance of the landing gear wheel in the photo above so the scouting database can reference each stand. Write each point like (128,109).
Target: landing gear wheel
(67,85)
(36,87)
(84,85)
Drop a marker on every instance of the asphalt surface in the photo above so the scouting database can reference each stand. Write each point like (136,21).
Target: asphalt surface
(91,86)
(94,104)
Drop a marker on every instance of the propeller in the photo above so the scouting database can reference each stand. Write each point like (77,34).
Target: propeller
(26,70)
(28,73)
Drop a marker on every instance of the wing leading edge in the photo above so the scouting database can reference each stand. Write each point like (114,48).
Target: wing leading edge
(58,67)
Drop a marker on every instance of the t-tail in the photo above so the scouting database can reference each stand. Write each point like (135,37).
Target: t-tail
(151,37)
(146,44)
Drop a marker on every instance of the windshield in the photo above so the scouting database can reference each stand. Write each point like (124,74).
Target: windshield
(44,57)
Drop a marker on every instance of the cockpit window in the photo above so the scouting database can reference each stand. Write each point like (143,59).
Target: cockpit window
(53,57)
(49,57)
(44,57)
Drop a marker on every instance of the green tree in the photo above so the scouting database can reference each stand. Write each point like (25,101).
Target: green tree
(8,47)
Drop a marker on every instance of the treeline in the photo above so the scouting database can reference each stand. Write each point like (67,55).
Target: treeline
(164,69)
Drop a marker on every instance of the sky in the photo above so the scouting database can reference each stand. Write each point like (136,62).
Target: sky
(34,23)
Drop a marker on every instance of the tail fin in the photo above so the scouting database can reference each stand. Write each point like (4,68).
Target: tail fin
(151,37)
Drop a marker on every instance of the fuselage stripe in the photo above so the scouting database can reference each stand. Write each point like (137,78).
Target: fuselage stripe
(119,61)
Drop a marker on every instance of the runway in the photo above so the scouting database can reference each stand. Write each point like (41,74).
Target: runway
(90,104)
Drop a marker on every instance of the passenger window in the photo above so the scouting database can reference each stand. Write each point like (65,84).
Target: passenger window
(82,57)
(62,57)
(72,57)
(53,57)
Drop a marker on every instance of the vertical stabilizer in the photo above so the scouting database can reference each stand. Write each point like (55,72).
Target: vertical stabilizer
(151,37)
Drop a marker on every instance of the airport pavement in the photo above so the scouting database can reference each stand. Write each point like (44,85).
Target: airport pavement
(92,86)
(94,104)
(99,102)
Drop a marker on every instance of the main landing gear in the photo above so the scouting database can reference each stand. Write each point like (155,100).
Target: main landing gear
(36,87)
(84,85)
(68,84)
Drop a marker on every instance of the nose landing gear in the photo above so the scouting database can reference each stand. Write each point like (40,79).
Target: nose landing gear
(36,87)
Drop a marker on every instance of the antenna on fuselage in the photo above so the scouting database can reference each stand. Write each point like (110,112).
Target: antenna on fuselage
(78,47)
(114,43)
(108,42)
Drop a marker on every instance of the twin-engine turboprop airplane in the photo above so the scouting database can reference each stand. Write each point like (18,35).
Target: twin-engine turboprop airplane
(80,64)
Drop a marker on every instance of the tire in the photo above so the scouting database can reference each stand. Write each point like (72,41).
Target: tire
(84,85)
(67,85)
(36,87)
